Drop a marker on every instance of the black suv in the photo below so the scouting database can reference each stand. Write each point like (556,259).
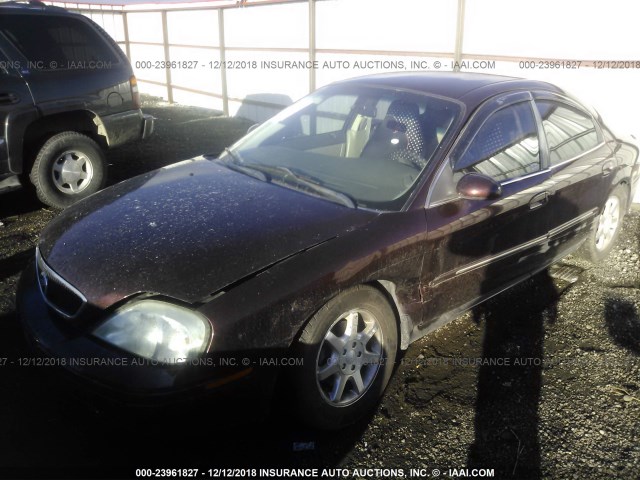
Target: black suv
(67,92)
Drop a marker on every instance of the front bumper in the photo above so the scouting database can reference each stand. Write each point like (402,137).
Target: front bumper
(120,378)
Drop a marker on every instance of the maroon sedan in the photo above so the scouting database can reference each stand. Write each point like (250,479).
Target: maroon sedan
(338,232)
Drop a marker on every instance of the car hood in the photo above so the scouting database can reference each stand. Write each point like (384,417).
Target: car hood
(185,231)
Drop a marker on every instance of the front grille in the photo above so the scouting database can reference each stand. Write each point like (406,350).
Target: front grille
(59,294)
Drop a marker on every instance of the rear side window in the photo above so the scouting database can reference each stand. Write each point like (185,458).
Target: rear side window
(506,145)
(57,42)
(569,132)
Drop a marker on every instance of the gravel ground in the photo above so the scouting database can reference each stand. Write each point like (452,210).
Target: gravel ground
(563,402)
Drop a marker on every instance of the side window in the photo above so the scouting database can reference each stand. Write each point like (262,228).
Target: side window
(569,132)
(328,116)
(56,41)
(4,65)
(506,146)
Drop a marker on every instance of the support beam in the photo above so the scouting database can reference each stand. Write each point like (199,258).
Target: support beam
(223,69)
(127,45)
(312,44)
(457,56)
(167,56)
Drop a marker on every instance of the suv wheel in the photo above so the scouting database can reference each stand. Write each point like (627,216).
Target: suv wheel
(348,351)
(69,166)
(606,228)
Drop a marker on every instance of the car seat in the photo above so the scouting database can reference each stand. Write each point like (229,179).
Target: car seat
(399,137)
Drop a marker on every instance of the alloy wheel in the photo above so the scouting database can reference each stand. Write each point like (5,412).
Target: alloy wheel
(608,223)
(349,357)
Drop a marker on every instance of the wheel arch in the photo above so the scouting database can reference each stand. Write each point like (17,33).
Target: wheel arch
(626,184)
(403,319)
(36,134)
(624,175)
(387,289)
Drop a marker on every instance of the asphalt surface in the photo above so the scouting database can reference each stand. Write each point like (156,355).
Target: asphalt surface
(541,382)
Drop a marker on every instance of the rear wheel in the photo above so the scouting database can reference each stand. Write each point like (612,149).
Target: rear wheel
(606,229)
(69,167)
(348,350)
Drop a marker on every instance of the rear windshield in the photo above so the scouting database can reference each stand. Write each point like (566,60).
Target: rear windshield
(57,42)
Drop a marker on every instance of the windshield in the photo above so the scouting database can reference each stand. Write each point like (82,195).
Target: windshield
(365,143)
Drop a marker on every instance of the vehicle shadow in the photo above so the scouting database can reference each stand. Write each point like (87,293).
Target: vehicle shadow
(118,442)
(623,322)
(11,339)
(15,263)
(19,202)
(506,424)
(506,413)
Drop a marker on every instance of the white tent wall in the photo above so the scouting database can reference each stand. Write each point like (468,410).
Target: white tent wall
(355,37)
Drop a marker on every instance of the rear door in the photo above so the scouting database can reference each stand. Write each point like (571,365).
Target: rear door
(582,166)
(16,112)
(478,247)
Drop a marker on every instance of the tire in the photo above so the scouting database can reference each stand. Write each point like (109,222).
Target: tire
(69,167)
(361,362)
(606,229)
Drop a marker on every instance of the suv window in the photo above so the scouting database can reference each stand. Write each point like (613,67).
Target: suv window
(56,42)
(506,145)
(569,132)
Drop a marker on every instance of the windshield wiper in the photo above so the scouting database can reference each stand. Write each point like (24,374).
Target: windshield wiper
(288,177)
(236,163)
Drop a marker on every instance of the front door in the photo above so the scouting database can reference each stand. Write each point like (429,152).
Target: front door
(479,247)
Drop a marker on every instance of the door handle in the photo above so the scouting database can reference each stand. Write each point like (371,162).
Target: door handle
(538,200)
(7,98)
(608,168)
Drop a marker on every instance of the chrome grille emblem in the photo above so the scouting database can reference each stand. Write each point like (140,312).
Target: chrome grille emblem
(44,282)
(59,294)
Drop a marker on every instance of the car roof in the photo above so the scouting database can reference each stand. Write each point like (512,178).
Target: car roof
(469,88)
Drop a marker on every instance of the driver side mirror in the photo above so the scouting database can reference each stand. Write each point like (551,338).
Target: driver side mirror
(475,186)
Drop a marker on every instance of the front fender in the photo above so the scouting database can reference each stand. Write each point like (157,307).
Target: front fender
(269,310)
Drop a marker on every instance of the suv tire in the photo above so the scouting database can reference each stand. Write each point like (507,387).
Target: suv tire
(69,167)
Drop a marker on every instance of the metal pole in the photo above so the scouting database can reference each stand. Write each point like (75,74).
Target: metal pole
(457,56)
(167,58)
(312,44)
(127,45)
(223,66)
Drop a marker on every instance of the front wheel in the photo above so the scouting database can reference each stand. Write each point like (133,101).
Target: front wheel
(348,350)
(606,229)
(69,167)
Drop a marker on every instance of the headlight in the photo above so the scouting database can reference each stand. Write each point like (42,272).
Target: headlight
(157,331)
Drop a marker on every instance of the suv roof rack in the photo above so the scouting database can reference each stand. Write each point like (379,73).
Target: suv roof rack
(33,4)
